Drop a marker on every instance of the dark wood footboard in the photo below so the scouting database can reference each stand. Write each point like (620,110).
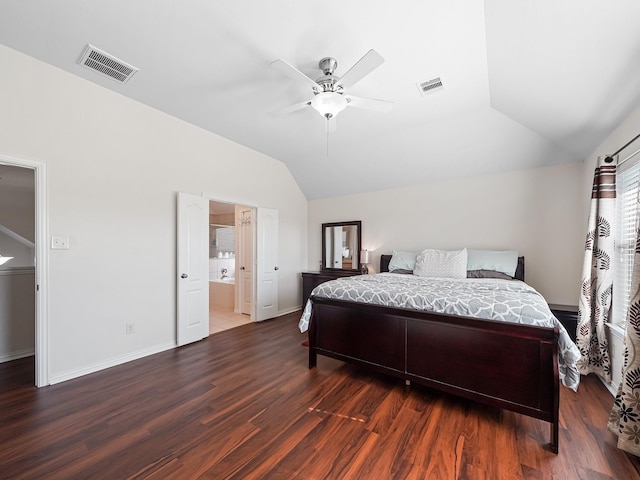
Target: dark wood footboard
(501,364)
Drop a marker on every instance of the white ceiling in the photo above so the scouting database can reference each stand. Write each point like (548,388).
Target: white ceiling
(527,83)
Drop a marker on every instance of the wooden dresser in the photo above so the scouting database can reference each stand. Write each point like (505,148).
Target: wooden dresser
(311,280)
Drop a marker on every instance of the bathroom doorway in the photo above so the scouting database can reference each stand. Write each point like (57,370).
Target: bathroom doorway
(230,265)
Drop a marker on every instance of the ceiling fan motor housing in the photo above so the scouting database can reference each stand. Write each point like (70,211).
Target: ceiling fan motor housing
(328,84)
(328,65)
(328,81)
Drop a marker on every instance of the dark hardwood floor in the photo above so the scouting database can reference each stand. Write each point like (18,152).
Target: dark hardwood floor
(242,404)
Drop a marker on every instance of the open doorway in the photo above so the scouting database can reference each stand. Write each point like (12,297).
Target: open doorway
(258,272)
(17,263)
(23,314)
(230,265)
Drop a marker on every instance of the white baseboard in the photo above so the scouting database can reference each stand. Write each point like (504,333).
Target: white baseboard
(96,367)
(7,357)
(613,389)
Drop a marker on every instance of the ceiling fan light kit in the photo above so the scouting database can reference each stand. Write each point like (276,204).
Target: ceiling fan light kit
(329,104)
(329,90)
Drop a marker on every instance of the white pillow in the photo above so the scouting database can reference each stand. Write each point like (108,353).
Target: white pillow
(402,261)
(442,264)
(499,261)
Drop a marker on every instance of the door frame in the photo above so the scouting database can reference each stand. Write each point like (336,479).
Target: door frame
(41,264)
(253,207)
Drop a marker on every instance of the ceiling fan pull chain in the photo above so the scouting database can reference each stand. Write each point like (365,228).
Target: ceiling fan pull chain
(327,130)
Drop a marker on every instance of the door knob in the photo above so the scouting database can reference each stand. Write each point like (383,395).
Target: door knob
(184,275)
(241,268)
(275,268)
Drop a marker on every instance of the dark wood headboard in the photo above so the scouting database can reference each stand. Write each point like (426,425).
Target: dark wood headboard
(384,262)
(385,259)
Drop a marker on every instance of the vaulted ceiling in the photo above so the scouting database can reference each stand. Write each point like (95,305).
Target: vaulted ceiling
(526,83)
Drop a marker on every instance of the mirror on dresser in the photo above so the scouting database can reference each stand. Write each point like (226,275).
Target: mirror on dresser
(341,245)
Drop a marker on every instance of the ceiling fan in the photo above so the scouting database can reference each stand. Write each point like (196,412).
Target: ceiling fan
(329,91)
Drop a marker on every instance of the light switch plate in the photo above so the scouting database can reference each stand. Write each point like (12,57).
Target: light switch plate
(60,243)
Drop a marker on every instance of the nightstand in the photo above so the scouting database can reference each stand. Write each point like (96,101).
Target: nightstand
(311,280)
(568,316)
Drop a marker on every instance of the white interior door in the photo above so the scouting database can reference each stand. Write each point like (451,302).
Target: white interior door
(192,268)
(267,264)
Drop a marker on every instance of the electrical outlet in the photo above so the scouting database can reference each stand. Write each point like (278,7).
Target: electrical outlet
(130,328)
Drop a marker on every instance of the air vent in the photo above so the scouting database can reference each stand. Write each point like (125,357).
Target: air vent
(430,86)
(106,64)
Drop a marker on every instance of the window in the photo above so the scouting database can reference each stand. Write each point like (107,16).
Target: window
(627,184)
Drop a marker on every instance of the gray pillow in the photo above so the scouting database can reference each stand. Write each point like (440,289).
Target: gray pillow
(505,261)
(402,261)
(487,274)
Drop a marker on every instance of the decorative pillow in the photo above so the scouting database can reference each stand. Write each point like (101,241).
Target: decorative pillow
(499,261)
(487,274)
(441,264)
(402,261)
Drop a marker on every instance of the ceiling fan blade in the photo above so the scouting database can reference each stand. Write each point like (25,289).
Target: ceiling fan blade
(363,67)
(383,106)
(291,108)
(292,72)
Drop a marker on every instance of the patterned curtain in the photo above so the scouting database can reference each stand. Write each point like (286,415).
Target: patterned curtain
(597,276)
(625,415)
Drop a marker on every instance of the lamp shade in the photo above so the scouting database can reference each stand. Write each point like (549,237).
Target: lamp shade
(365,256)
(329,103)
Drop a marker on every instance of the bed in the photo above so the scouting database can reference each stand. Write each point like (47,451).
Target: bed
(498,363)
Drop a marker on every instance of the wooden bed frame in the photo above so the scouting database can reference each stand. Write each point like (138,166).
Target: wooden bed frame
(506,365)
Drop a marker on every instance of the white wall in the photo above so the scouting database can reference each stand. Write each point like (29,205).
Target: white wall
(114,167)
(537,212)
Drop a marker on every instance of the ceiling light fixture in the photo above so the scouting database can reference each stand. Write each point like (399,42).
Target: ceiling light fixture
(329,104)
(4,260)
(328,90)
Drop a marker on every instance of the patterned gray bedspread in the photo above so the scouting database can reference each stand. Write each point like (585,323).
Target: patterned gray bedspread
(492,299)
